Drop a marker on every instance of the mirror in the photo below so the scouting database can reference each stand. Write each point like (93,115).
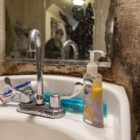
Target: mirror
(69,28)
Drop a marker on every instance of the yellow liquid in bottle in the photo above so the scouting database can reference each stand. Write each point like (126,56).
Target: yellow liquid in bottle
(93,111)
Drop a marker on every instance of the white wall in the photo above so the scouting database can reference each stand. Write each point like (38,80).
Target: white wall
(31,12)
(52,12)
(34,14)
(101,14)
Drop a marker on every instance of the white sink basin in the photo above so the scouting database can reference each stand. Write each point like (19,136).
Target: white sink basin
(18,126)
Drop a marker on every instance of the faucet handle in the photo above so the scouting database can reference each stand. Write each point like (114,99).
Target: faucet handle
(25,97)
(55,101)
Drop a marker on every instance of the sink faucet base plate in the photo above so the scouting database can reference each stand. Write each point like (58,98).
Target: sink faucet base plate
(43,111)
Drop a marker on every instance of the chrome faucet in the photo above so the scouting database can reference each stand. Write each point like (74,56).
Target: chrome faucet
(35,42)
(35,104)
(66,45)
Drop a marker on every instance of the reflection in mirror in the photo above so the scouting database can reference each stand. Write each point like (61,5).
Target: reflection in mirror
(69,28)
(21,17)
(69,22)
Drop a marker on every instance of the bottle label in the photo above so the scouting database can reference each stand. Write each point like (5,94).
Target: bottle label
(88,86)
(92,102)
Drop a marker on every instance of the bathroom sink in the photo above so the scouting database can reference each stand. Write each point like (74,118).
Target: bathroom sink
(18,126)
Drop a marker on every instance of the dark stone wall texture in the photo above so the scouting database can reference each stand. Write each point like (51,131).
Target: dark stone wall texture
(126,57)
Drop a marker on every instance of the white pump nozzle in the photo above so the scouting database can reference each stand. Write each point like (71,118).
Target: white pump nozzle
(91,56)
(92,66)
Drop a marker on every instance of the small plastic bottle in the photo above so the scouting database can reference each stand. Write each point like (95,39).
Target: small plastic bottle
(93,108)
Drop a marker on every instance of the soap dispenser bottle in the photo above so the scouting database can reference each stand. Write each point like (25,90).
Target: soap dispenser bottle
(93,108)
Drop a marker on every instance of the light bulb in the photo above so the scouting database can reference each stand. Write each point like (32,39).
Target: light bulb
(78,2)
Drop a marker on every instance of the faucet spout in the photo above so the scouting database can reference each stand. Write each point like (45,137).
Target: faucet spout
(35,43)
(66,45)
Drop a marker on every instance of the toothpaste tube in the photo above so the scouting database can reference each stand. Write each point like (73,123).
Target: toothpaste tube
(15,96)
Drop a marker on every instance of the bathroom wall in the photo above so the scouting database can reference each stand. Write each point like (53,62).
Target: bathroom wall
(30,12)
(34,14)
(126,62)
(101,14)
(18,5)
